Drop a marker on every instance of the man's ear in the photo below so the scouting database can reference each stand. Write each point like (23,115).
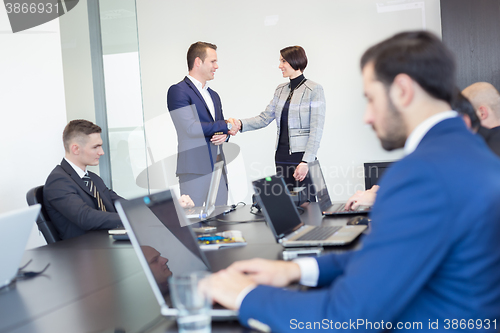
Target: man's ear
(402,90)
(74,148)
(483,112)
(198,62)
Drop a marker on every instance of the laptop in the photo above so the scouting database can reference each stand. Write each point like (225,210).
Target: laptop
(283,218)
(209,207)
(325,203)
(15,230)
(163,246)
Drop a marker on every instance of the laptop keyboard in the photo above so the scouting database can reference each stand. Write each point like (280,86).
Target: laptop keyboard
(319,233)
(341,209)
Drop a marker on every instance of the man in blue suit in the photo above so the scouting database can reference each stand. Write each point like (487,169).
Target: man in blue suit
(432,259)
(196,111)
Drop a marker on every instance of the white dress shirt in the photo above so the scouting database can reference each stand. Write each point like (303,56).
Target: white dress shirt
(205,94)
(421,130)
(78,170)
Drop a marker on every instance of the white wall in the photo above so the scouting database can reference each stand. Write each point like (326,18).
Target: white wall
(32,111)
(249,36)
(76,62)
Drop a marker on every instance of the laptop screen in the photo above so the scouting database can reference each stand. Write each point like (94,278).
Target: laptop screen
(277,205)
(320,185)
(15,229)
(162,245)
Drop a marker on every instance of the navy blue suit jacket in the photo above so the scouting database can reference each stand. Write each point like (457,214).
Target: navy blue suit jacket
(195,127)
(71,206)
(433,252)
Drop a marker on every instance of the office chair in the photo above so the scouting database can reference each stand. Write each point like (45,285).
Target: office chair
(49,232)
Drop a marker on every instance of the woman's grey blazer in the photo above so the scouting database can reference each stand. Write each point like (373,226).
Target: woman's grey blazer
(306,117)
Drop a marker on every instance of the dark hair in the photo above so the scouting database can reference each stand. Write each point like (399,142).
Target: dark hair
(295,56)
(419,54)
(76,128)
(198,50)
(462,105)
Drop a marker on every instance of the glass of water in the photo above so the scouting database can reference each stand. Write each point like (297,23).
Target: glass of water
(193,305)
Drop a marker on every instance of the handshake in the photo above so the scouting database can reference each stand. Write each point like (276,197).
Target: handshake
(236,123)
(219,138)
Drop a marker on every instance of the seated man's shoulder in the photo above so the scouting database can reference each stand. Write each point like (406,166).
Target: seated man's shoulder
(59,182)
(57,174)
(494,133)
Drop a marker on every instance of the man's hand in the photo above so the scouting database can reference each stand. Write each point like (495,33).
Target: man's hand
(218,139)
(186,201)
(362,198)
(301,171)
(269,272)
(236,126)
(225,286)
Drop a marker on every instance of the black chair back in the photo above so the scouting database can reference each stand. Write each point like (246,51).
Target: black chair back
(35,196)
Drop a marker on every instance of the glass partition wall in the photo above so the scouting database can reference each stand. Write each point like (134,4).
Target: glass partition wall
(124,110)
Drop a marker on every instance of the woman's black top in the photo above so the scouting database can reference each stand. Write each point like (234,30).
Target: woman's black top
(283,155)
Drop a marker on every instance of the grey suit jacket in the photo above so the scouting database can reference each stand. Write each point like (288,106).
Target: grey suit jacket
(71,206)
(306,117)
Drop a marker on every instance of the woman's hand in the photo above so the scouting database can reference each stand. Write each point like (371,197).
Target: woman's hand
(301,171)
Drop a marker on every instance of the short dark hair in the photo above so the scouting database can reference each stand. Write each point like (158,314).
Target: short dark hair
(462,105)
(198,50)
(78,128)
(419,54)
(295,56)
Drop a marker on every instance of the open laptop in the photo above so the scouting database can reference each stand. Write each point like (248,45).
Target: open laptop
(15,230)
(283,218)
(209,207)
(155,230)
(325,203)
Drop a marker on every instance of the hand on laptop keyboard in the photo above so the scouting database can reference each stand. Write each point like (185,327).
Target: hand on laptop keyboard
(362,198)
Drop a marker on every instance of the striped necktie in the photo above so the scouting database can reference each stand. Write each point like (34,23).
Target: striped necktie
(90,184)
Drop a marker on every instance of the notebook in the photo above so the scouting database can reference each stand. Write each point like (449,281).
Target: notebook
(325,204)
(283,218)
(15,230)
(209,207)
(163,246)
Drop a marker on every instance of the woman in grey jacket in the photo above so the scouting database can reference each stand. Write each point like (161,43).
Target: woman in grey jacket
(299,109)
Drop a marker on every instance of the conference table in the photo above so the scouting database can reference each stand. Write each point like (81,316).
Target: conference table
(96,284)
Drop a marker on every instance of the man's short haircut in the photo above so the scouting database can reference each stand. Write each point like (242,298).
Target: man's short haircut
(484,93)
(78,128)
(295,56)
(198,50)
(420,55)
(463,106)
